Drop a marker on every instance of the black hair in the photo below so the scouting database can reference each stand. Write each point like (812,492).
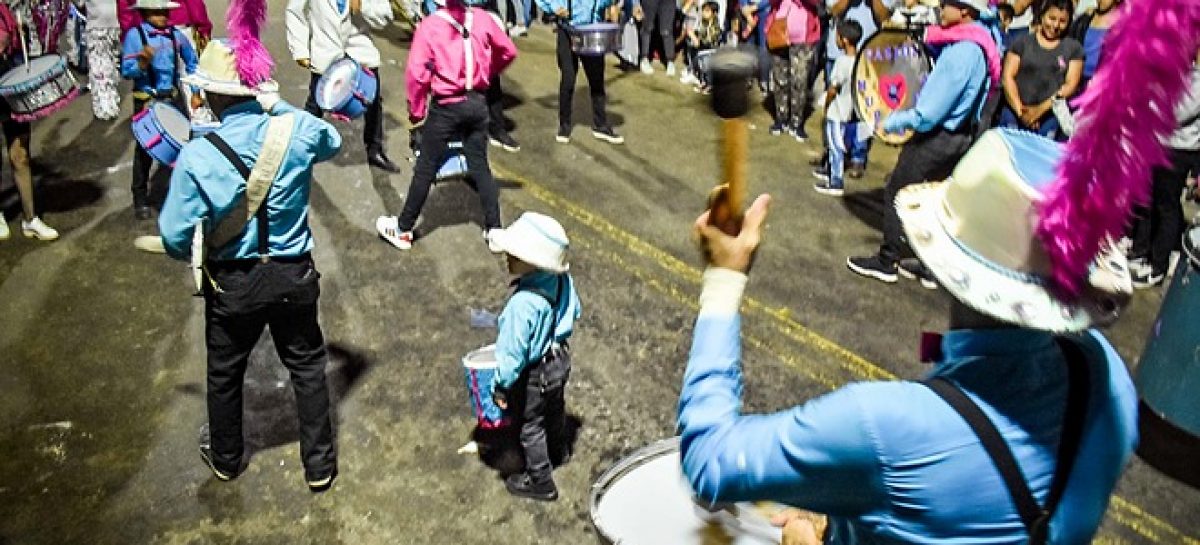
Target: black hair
(1006,9)
(850,30)
(1045,5)
(713,5)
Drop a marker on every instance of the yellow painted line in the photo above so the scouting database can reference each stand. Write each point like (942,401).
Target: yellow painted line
(1121,510)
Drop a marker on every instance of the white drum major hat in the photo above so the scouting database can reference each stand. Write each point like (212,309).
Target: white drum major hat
(155,4)
(536,239)
(977,233)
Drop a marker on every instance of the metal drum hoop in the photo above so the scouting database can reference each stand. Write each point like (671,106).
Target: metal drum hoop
(630,462)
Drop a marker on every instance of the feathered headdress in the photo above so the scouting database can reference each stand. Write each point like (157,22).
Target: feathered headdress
(1125,116)
(245,20)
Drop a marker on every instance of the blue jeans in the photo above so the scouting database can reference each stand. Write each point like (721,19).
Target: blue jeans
(838,136)
(1048,127)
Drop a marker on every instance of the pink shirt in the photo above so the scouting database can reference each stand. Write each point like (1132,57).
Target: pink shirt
(437,65)
(191,13)
(803,25)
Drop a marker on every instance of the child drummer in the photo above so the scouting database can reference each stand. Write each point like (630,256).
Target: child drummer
(532,356)
(149,56)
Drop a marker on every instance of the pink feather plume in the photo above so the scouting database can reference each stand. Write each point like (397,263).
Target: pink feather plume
(246,19)
(1124,117)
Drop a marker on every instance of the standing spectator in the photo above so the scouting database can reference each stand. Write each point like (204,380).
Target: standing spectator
(1158,229)
(1041,67)
(838,111)
(1089,30)
(1004,15)
(789,66)
(103,41)
(660,15)
(17,134)
(704,36)
(756,14)
(320,32)
(869,14)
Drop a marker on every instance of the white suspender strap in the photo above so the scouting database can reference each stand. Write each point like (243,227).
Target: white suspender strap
(464,30)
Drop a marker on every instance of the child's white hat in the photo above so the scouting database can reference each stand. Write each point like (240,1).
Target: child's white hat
(536,239)
(155,4)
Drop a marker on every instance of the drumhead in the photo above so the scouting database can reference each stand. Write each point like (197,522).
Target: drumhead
(38,66)
(644,499)
(172,121)
(337,85)
(483,358)
(889,72)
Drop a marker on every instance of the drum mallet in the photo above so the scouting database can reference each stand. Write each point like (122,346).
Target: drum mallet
(730,71)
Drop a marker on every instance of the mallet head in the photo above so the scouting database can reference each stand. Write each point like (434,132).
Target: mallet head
(729,70)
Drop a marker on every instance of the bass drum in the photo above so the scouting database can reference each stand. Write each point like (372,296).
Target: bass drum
(889,72)
(1168,375)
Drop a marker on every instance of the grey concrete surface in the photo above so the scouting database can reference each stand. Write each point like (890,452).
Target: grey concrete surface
(102,357)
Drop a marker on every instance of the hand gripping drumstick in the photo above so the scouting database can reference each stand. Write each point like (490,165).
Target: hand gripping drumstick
(730,69)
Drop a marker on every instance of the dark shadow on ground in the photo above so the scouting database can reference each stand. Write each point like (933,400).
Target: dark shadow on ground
(500,448)
(867,206)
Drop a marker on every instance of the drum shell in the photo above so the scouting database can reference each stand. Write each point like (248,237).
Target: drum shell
(597,39)
(152,135)
(1168,374)
(478,376)
(35,95)
(363,85)
(455,164)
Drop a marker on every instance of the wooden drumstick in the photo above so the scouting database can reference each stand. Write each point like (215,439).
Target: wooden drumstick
(21,36)
(730,70)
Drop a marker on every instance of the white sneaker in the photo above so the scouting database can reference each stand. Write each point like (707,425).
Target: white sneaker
(37,228)
(519,30)
(388,228)
(493,244)
(646,67)
(4,232)
(688,79)
(670,69)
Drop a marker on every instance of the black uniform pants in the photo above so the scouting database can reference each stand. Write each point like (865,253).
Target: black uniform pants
(1158,229)
(929,156)
(281,295)
(372,119)
(568,67)
(467,119)
(538,397)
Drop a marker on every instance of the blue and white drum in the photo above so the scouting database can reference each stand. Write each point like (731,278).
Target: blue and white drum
(479,369)
(1168,374)
(346,89)
(161,130)
(38,88)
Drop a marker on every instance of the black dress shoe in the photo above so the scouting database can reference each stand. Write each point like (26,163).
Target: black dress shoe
(521,485)
(379,160)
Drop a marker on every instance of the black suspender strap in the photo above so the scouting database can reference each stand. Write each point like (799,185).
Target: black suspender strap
(264,249)
(174,56)
(1035,517)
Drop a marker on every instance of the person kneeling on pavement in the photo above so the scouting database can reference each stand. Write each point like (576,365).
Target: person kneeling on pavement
(532,354)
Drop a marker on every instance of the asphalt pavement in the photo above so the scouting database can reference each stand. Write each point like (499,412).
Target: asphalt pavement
(102,358)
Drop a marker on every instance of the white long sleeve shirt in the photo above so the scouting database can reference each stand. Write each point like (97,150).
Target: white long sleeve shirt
(319,31)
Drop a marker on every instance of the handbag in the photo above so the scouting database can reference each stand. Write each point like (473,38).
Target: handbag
(777,32)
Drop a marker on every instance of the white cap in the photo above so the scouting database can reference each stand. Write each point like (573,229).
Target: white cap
(980,5)
(536,239)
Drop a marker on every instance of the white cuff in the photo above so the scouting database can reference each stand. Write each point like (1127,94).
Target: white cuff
(722,291)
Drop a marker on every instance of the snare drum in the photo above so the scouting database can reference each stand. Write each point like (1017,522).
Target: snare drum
(161,130)
(346,89)
(479,368)
(889,71)
(1168,375)
(38,88)
(596,39)
(644,499)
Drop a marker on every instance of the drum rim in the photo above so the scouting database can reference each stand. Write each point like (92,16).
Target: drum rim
(924,51)
(321,82)
(491,347)
(629,462)
(154,107)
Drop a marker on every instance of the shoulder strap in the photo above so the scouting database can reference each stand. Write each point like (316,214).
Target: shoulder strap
(258,183)
(464,30)
(1036,518)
